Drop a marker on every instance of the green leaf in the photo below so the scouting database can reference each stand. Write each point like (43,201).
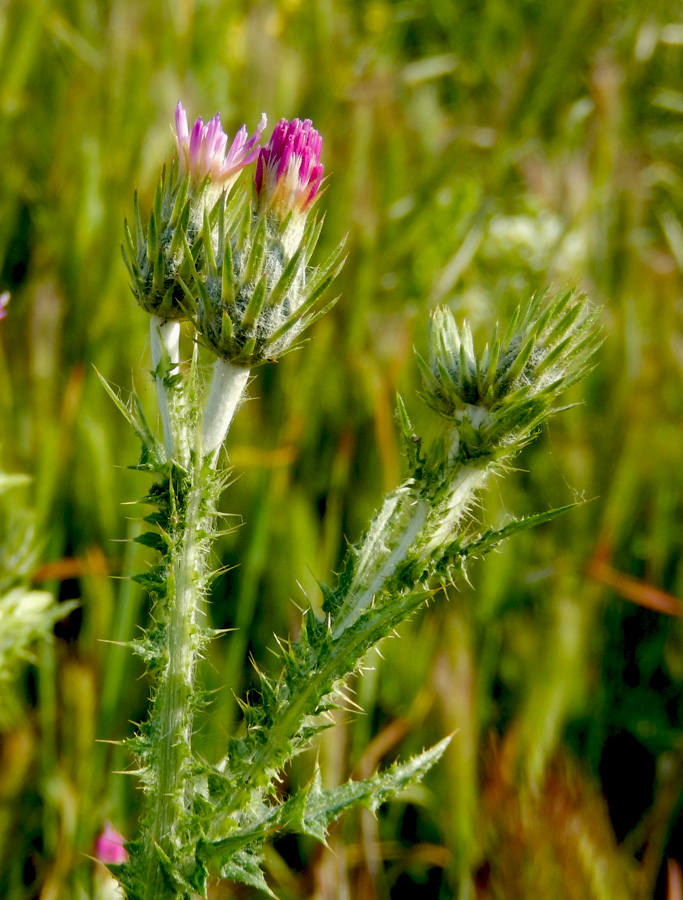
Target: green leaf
(310,812)
(245,867)
(490,538)
(153,582)
(320,806)
(154,540)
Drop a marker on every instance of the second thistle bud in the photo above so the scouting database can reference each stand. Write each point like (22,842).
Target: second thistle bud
(496,399)
(259,293)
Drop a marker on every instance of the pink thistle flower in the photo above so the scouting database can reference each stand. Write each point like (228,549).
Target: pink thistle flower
(289,172)
(205,150)
(4,300)
(109,846)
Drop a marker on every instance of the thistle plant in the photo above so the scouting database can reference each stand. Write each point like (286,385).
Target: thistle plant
(237,265)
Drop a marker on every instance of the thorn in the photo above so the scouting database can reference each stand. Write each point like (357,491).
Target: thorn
(350,701)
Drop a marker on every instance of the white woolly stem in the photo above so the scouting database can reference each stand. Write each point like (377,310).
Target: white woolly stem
(165,344)
(374,556)
(227,387)
(393,534)
(468,481)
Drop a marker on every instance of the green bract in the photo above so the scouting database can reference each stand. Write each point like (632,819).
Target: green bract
(161,256)
(259,292)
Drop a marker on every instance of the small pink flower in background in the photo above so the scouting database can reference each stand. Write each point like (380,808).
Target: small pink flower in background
(289,172)
(4,300)
(205,150)
(109,846)
(675,881)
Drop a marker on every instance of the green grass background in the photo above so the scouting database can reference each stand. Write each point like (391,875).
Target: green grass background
(477,150)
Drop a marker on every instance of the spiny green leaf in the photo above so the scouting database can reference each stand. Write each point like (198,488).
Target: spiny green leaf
(490,538)
(245,867)
(322,806)
(135,423)
(153,539)
(152,581)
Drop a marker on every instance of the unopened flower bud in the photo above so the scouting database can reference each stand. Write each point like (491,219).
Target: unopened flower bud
(289,172)
(498,397)
(259,293)
(161,259)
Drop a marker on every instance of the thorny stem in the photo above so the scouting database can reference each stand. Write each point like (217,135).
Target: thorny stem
(367,582)
(395,531)
(351,646)
(176,687)
(172,800)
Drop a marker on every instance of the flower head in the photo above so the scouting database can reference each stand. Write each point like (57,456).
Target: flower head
(289,172)
(205,151)
(109,847)
(4,300)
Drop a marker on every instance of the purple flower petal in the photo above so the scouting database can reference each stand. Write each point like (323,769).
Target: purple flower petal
(206,151)
(289,171)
